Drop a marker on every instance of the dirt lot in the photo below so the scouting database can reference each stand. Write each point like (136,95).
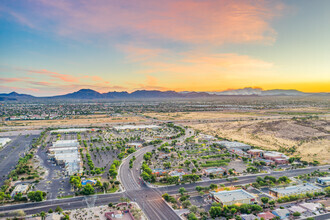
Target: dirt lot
(76,120)
(310,137)
(199,115)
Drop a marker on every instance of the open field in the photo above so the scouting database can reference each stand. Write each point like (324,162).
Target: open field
(238,114)
(75,120)
(309,138)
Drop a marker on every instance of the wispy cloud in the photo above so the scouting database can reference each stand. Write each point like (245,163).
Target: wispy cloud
(193,21)
(60,76)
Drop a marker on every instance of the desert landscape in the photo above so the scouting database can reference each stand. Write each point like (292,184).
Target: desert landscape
(305,137)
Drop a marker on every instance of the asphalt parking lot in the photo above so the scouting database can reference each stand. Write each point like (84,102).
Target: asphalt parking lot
(55,182)
(11,152)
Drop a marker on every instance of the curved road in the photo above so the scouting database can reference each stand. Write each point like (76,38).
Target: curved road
(149,199)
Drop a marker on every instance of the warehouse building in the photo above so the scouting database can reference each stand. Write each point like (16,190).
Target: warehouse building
(71,130)
(232,197)
(136,127)
(4,141)
(294,190)
(65,153)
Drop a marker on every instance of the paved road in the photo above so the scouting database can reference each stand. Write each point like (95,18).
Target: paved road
(149,199)
(144,202)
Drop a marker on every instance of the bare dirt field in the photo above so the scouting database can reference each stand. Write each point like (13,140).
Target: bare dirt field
(77,120)
(310,137)
(199,115)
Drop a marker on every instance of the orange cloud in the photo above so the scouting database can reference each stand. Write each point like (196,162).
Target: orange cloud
(9,80)
(213,21)
(63,77)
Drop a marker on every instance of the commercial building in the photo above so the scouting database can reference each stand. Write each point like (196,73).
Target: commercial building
(234,144)
(20,188)
(232,197)
(281,161)
(71,130)
(4,141)
(136,127)
(214,171)
(324,180)
(281,213)
(295,190)
(255,152)
(272,155)
(65,153)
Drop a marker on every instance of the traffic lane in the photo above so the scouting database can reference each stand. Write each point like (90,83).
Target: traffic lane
(61,202)
(242,179)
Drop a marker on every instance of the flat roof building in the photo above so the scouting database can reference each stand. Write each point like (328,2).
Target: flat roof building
(136,127)
(214,170)
(324,180)
(295,190)
(232,197)
(71,130)
(234,144)
(4,141)
(65,152)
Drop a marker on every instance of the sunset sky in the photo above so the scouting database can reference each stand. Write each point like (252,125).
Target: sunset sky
(54,47)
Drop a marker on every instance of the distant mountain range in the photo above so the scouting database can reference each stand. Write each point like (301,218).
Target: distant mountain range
(150,94)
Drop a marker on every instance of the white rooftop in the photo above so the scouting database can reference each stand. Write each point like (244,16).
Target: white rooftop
(233,195)
(4,141)
(298,189)
(310,206)
(72,130)
(65,143)
(233,144)
(297,209)
(136,127)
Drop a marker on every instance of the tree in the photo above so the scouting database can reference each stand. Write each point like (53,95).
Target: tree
(166,196)
(42,215)
(182,190)
(192,216)
(327,190)
(36,196)
(58,209)
(233,211)
(110,204)
(88,190)
(296,214)
(213,186)
(50,211)
(264,200)
(186,204)
(215,211)
(193,209)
